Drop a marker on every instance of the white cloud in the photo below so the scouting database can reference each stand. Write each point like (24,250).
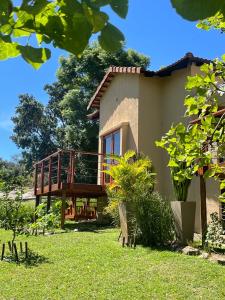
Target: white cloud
(6,124)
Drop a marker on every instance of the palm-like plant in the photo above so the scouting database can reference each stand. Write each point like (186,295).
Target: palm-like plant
(131,176)
(126,171)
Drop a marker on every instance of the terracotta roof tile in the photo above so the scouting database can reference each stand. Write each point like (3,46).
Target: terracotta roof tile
(182,63)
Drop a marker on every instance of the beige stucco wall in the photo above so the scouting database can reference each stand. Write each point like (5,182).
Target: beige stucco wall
(146,107)
(120,105)
(150,122)
(172,103)
(161,104)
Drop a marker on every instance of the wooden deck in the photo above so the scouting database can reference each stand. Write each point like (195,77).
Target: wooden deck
(73,190)
(69,173)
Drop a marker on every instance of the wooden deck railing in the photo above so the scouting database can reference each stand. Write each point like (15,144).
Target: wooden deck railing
(68,166)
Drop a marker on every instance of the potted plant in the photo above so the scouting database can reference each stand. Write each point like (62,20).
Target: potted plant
(126,172)
(183,210)
(182,166)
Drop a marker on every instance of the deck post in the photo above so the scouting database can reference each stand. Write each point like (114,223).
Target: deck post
(203,208)
(59,170)
(37,201)
(63,211)
(72,167)
(75,208)
(48,203)
(42,177)
(35,179)
(50,174)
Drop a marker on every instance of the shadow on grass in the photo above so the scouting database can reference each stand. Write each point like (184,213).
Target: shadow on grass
(33,260)
(91,226)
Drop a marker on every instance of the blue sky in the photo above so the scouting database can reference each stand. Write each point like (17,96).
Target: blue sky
(152,28)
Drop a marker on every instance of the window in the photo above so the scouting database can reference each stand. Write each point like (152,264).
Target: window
(111,145)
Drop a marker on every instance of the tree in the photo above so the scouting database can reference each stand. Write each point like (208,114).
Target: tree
(39,130)
(13,216)
(34,130)
(12,174)
(66,24)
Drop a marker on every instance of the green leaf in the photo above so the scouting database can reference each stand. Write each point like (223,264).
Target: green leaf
(34,56)
(194,10)
(77,34)
(97,18)
(209,173)
(120,7)
(99,3)
(5,11)
(34,7)
(8,50)
(111,38)
(6,29)
(173,164)
(70,6)
(42,38)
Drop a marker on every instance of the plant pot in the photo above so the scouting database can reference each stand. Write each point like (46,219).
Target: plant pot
(127,221)
(184,217)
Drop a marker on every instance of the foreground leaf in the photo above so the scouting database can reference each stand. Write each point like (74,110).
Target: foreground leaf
(35,56)
(111,38)
(194,10)
(8,50)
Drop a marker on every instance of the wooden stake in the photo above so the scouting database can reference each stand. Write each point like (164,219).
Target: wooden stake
(131,242)
(63,211)
(21,247)
(3,251)
(26,250)
(16,253)
(119,236)
(123,243)
(203,208)
(10,247)
(135,241)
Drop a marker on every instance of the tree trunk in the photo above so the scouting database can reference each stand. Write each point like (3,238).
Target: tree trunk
(203,208)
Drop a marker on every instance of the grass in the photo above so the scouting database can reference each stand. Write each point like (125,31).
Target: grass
(90,264)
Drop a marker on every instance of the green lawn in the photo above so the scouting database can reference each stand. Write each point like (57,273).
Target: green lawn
(92,265)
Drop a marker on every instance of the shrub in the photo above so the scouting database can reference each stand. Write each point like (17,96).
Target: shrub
(15,215)
(154,219)
(146,211)
(47,221)
(214,235)
(112,208)
(128,172)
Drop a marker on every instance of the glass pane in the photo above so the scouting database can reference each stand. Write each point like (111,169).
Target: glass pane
(107,144)
(116,143)
(107,150)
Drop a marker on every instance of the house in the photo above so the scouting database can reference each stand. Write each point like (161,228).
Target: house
(137,107)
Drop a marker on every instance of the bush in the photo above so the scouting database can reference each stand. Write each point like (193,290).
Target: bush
(15,215)
(47,221)
(147,213)
(154,219)
(214,235)
(128,172)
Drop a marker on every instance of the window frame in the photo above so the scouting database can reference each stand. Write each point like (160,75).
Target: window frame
(112,147)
